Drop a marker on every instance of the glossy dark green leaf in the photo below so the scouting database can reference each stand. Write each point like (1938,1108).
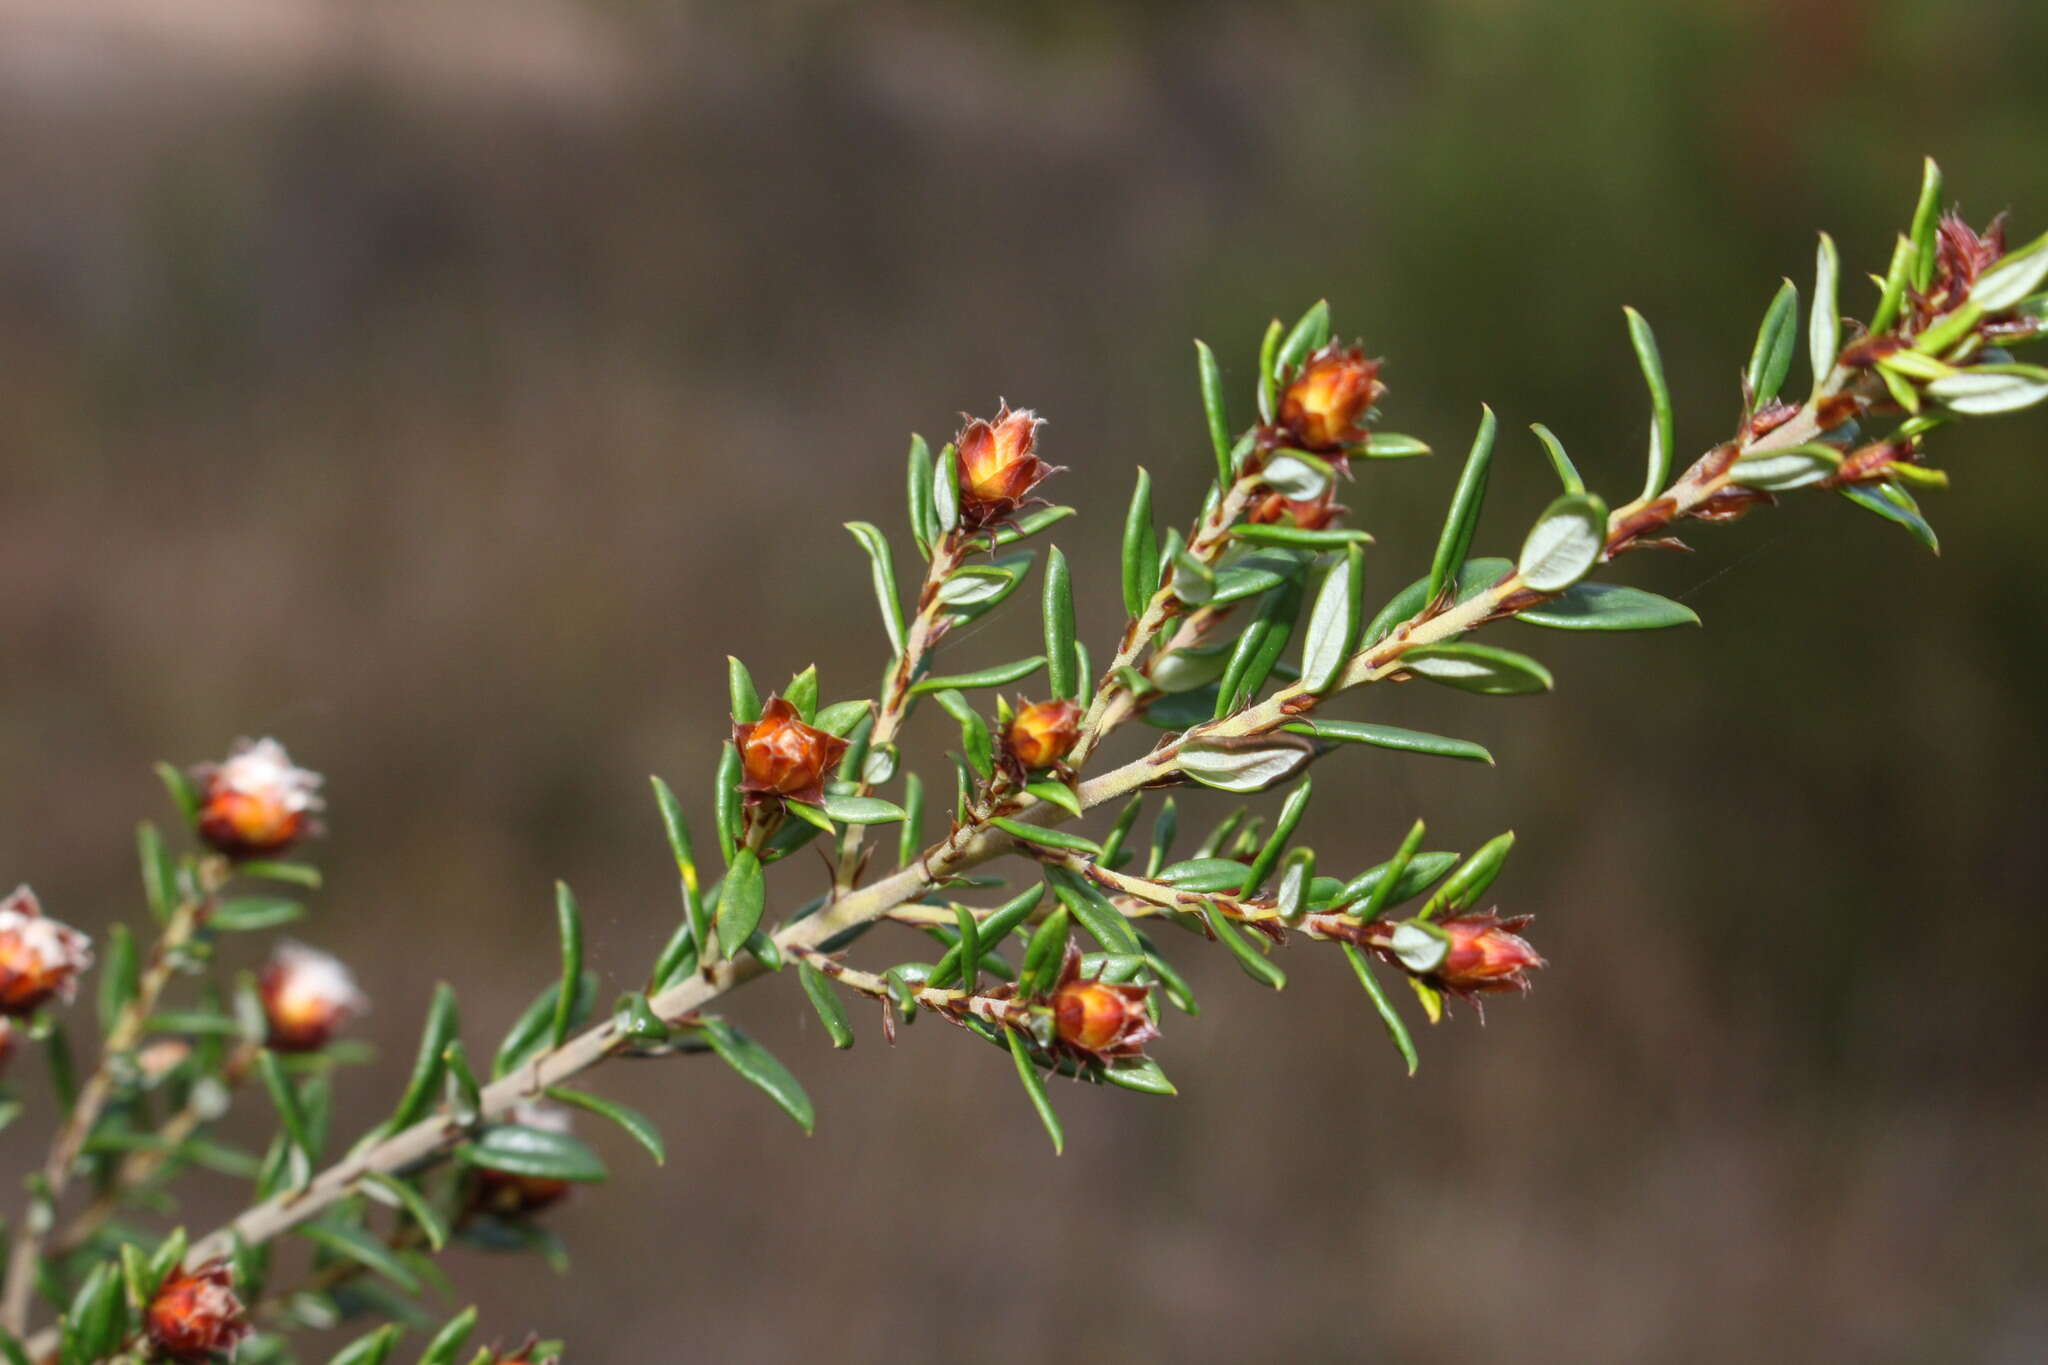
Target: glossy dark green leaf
(1608,606)
(1284,825)
(97,1319)
(1214,410)
(969,929)
(727,799)
(802,693)
(441,1350)
(997,926)
(1777,341)
(863,810)
(569,926)
(636,1124)
(1567,472)
(1463,517)
(517,1149)
(1165,826)
(1093,911)
(924,522)
(696,919)
(1252,575)
(1295,538)
(1141,1074)
(1259,647)
(1034,1086)
(1043,956)
(1391,445)
(1030,525)
(741,899)
(426,1072)
(531,1032)
(745,698)
(1662,437)
(1042,837)
(353,1244)
(1391,737)
(1465,886)
(976,745)
(1310,331)
(999,675)
(831,1009)
(1054,792)
(1895,504)
(1483,669)
(1255,963)
(883,566)
(1893,292)
(1140,548)
(1061,674)
(759,1067)
(1396,1029)
(271,869)
(910,838)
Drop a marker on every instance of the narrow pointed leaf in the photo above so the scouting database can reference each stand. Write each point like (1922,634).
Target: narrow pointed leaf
(997,675)
(924,522)
(760,1068)
(519,1150)
(1565,544)
(1463,517)
(1255,963)
(882,563)
(1140,548)
(406,1195)
(1824,323)
(1608,606)
(1396,1029)
(1335,622)
(831,1009)
(637,1125)
(862,810)
(745,699)
(1662,437)
(1213,409)
(1034,1086)
(354,1244)
(569,922)
(1060,672)
(1391,737)
(1777,339)
(1479,668)
(1567,472)
(740,901)
(426,1071)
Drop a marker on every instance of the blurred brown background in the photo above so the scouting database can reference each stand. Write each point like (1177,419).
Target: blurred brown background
(446,388)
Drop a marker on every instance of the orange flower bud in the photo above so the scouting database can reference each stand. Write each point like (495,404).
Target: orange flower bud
(1043,733)
(1485,954)
(997,466)
(782,756)
(1325,406)
(510,1195)
(6,1042)
(1099,1019)
(1309,514)
(40,959)
(307,996)
(257,802)
(195,1315)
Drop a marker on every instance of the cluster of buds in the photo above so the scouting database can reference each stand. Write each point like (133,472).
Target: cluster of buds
(195,1316)
(1324,408)
(1040,735)
(257,803)
(512,1195)
(40,959)
(1096,1020)
(999,467)
(781,758)
(307,997)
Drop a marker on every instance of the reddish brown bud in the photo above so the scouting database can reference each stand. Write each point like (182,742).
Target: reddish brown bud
(1325,407)
(1099,1019)
(1871,463)
(780,756)
(6,1042)
(40,959)
(1485,954)
(998,466)
(195,1315)
(256,803)
(307,996)
(1310,514)
(1043,733)
(1731,502)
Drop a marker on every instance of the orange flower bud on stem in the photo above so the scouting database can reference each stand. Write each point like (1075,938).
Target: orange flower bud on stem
(307,996)
(1099,1019)
(780,756)
(257,803)
(1466,957)
(1325,406)
(195,1316)
(998,466)
(40,959)
(1041,734)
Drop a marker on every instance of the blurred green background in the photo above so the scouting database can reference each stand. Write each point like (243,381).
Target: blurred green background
(447,388)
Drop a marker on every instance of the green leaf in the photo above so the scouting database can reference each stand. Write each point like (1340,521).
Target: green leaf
(1140,548)
(1771,358)
(863,810)
(758,1066)
(998,675)
(1893,293)
(637,1125)
(1295,538)
(946,491)
(1093,911)
(1307,334)
(184,793)
(1926,217)
(1985,390)
(976,745)
(372,1348)
(1662,438)
(1031,525)
(2017,274)
(1249,577)
(426,1071)
(727,798)
(1335,622)
(994,928)
(1255,963)
(884,570)
(406,1195)
(1608,606)
(969,930)
(1141,1074)
(1396,1029)
(696,919)
(354,1244)
(441,1350)
(119,976)
(97,1320)
(1894,503)
(924,522)
(831,1010)
(1269,377)
(530,1033)
(1055,792)
(1241,768)
(1483,669)
(1402,876)
(1034,1086)
(910,838)
(1204,874)
(1388,445)
(1567,472)
(802,693)
(253,914)
(159,874)
(1463,517)
(1258,650)
(1465,886)
(1566,542)
(740,901)
(1391,737)
(1042,837)
(1060,672)
(1213,410)
(517,1149)
(1824,322)
(977,589)
(286,1100)
(1284,826)
(1794,467)
(746,700)
(268,869)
